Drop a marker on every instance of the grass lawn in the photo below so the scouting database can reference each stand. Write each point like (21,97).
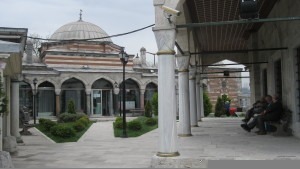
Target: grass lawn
(130,133)
(64,140)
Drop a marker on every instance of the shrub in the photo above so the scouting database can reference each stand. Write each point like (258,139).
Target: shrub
(207,105)
(219,109)
(151,122)
(148,110)
(155,104)
(47,124)
(63,131)
(71,107)
(135,125)
(79,126)
(84,120)
(118,124)
(66,117)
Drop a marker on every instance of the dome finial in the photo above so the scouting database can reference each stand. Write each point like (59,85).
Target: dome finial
(80,15)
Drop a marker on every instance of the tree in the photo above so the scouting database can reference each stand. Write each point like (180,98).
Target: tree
(3,98)
(207,105)
(226,104)
(155,104)
(36,43)
(71,107)
(148,108)
(219,109)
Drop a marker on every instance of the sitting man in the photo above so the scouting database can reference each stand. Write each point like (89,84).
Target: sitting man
(258,108)
(272,113)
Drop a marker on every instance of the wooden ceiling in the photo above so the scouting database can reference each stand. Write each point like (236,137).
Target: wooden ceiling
(227,37)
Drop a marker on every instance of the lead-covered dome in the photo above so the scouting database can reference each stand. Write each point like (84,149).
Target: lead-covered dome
(80,30)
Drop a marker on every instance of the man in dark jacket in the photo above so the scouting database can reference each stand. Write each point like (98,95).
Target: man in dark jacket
(272,113)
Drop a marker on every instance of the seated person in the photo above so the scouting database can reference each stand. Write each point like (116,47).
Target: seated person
(258,107)
(272,113)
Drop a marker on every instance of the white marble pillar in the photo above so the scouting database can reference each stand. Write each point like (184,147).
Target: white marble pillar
(166,88)
(198,98)
(8,114)
(111,103)
(193,98)
(88,101)
(1,133)
(184,97)
(15,111)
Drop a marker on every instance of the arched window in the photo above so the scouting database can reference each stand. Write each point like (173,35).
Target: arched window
(26,96)
(132,94)
(46,100)
(73,89)
(151,88)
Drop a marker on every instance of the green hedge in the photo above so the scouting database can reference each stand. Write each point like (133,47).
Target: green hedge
(118,124)
(79,126)
(47,124)
(84,120)
(151,122)
(134,125)
(67,117)
(64,131)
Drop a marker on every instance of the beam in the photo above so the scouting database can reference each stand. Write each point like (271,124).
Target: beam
(231,64)
(206,73)
(179,48)
(242,77)
(243,21)
(238,51)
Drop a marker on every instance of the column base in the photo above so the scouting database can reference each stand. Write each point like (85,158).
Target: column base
(19,140)
(10,144)
(175,154)
(194,126)
(185,135)
(178,162)
(5,160)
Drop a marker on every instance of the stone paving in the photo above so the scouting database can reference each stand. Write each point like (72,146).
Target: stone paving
(215,139)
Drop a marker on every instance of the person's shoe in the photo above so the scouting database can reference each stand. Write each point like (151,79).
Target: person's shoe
(245,121)
(245,127)
(261,133)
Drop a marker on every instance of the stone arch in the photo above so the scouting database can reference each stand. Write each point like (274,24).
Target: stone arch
(49,81)
(138,82)
(104,78)
(84,82)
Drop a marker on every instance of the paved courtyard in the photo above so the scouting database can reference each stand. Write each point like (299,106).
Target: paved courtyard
(214,139)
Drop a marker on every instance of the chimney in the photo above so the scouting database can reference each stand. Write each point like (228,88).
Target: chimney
(29,50)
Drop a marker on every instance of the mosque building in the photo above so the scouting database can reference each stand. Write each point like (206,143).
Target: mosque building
(89,72)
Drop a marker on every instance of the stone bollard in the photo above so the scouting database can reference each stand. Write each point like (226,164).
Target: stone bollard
(5,160)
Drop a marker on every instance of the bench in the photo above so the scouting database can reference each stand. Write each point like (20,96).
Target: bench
(282,126)
(24,123)
(137,112)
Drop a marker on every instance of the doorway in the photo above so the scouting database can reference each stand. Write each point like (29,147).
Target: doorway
(102,102)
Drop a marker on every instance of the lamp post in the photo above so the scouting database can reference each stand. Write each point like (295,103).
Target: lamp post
(124,59)
(34,100)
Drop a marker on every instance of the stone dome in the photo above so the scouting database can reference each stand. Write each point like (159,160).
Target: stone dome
(80,30)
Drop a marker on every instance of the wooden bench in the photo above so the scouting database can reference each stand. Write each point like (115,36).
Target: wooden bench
(137,112)
(282,126)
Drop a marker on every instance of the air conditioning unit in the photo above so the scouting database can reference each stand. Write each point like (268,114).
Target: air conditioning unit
(249,9)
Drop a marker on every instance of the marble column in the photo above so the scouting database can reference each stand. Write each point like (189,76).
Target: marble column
(117,100)
(8,116)
(165,38)
(184,97)
(193,99)
(142,98)
(1,133)
(202,99)
(57,101)
(15,111)
(88,101)
(111,103)
(198,98)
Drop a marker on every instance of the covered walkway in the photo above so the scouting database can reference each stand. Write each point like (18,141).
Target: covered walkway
(214,139)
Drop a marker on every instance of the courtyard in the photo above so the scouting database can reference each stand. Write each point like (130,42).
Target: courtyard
(214,139)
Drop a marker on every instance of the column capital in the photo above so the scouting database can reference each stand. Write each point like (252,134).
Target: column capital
(183,63)
(116,90)
(142,91)
(57,91)
(193,73)
(88,91)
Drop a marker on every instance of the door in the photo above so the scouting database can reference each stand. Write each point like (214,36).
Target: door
(97,102)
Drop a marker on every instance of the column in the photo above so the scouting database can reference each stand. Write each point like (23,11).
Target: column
(1,133)
(165,38)
(8,116)
(15,111)
(88,101)
(198,98)
(193,99)
(57,101)
(117,102)
(184,97)
(142,98)
(111,103)
(202,99)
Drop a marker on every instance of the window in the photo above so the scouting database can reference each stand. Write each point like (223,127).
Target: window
(298,78)
(278,78)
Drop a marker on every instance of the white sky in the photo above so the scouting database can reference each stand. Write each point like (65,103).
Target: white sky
(44,17)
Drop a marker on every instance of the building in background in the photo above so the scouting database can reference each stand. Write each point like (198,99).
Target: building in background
(89,72)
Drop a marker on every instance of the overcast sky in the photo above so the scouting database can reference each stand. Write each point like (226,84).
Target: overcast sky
(44,17)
